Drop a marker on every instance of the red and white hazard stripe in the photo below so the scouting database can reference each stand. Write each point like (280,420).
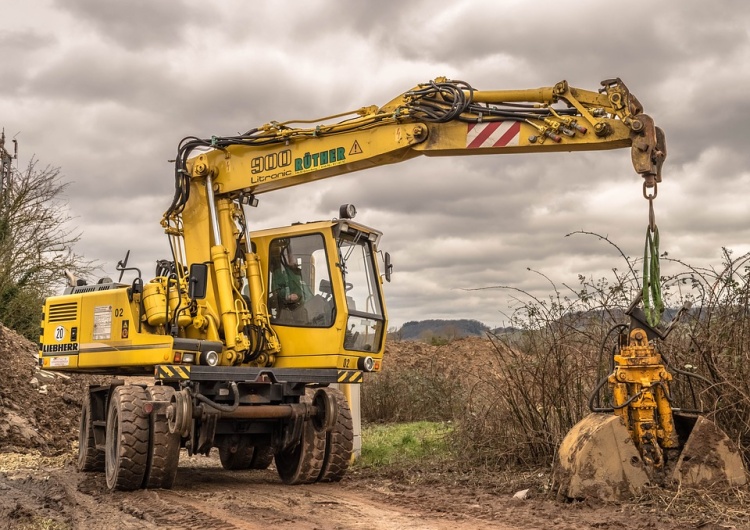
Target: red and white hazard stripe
(493,134)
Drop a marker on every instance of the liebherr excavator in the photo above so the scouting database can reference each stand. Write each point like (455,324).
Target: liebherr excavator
(245,331)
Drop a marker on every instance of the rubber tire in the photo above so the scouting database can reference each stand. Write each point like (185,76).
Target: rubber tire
(302,464)
(339,441)
(126,453)
(262,457)
(163,446)
(89,457)
(241,458)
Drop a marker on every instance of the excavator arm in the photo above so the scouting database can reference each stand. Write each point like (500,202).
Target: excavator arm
(439,118)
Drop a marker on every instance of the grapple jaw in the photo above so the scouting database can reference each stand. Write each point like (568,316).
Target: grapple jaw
(598,459)
(708,457)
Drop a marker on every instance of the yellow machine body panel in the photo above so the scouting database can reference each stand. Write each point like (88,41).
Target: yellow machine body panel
(98,327)
(98,330)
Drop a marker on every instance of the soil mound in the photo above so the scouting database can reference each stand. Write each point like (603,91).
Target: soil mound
(38,410)
(470,358)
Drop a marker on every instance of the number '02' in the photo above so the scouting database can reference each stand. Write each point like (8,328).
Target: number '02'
(119,312)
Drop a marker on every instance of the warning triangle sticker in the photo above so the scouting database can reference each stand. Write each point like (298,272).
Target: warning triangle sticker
(356,149)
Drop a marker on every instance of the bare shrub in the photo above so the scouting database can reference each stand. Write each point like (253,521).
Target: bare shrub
(548,367)
(714,341)
(562,346)
(412,394)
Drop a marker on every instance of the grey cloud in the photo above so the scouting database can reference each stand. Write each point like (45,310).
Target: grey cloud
(20,47)
(120,85)
(15,41)
(136,24)
(89,76)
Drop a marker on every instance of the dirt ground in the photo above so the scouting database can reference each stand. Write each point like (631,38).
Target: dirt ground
(40,488)
(47,493)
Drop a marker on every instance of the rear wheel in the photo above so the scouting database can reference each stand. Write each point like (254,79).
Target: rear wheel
(163,447)
(302,464)
(89,457)
(339,441)
(236,453)
(126,453)
(262,457)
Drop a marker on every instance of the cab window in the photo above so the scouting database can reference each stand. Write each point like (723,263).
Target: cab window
(364,328)
(299,282)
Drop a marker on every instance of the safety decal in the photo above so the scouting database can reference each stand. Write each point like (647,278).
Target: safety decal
(350,376)
(166,372)
(356,149)
(493,134)
(103,322)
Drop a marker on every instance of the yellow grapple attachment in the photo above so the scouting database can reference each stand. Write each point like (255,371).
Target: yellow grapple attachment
(644,442)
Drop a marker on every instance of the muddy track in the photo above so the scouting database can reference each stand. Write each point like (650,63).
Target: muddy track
(206,496)
(203,496)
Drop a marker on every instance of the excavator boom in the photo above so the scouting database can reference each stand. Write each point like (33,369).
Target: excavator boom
(439,118)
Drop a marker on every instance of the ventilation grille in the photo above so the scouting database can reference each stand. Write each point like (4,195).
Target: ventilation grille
(63,312)
(82,289)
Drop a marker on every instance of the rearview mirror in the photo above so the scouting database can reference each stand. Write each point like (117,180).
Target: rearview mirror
(197,281)
(388,266)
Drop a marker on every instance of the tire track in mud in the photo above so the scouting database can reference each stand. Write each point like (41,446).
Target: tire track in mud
(147,509)
(169,509)
(257,500)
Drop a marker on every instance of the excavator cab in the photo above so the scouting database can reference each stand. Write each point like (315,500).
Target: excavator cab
(324,294)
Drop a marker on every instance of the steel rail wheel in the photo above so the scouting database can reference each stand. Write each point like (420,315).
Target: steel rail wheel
(302,464)
(163,446)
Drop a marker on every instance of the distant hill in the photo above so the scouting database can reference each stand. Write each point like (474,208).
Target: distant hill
(440,331)
(428,330)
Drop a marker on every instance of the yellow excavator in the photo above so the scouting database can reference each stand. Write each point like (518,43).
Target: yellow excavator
(246,332)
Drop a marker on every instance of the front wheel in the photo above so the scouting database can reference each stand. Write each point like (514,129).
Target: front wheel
(303,463)
(126,452)
(339,441)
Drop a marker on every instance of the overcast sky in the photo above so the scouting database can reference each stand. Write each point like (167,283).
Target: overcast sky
(106,89)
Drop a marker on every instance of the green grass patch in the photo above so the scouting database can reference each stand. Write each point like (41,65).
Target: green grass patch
(404,443)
